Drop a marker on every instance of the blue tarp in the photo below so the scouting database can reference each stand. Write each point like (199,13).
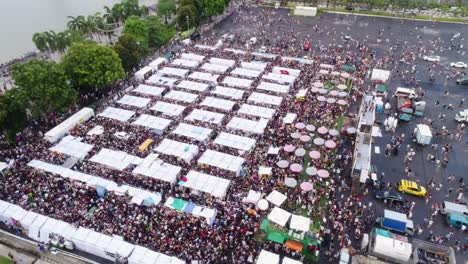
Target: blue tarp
(101,191)
(189,207)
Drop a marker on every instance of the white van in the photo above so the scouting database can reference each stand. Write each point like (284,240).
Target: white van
(449,207)
(405,92)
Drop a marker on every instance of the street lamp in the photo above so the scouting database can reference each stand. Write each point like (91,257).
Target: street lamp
(188,24)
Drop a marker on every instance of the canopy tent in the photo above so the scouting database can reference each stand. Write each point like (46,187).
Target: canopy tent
(158,79)
(61,129)
(203,76)
(380,75)
(252,197)
(280,78)
(118,247)
(118,160)
(149,90)
(210,184)
(264,55)
(216,68)
(35,226)
(287,260)
(272,150)
(273,87)
(276,198)
(205,116)
(117,114)
(144,146)
(205,47)
(237,82)
(3,166)
(185,63)
(300,223)
(235,51)
(287,71)
(13,214)
(153,122)
(228,92)
(225,62)
(136,101)
(267,257)
(246,73)
(178,149)
(264,170)
(254,110)
(195,132)
(192,56)
(181,96)
(157,62)
(168,108)
(279,216)
(73,147)
(221,160)
(143,72)
(218,103)
(289,118)
(191,208)
(300,60)
(171,71)
(256,127)
(235,141)
(254,65)
(156,168)
(262,98)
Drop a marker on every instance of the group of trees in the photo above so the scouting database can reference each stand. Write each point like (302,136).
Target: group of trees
(191,12)
(51,41)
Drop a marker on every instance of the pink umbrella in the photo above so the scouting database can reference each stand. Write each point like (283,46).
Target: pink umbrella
(330,144)
(289,148)
(345,75)
(315,90)
(304,138)
(318,84)
(307,186)
(342,102)
(300,125)
(296,167)
(334,93)
(323,173)
(322,130)
(321,98)
(314,154)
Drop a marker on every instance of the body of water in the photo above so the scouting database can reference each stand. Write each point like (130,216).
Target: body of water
(20,19)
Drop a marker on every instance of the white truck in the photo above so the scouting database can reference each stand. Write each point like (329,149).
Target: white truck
(423,134)
(462,116)
(390,248)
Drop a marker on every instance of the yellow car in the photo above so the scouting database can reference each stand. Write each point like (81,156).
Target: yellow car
(411,187)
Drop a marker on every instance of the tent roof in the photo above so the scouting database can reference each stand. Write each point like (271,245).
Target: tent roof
(267,257)
(279,216)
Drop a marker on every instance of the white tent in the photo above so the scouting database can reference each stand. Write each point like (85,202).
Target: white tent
(272,150)
(289,118)
(117,114)
(195,86)
(293,72)
(276,198)
(185,63)
(153,122)
(35,226)
(12,214)
(178,149)
(60,130)
(378,74)
(205,116)
(221,160)
(3,165)
(235,141)
(254,65)
(205,47)
(158,79)
(191,131)
(287,260)
(246,73)
(235,51)
(237,82)
(264,55)
(203,76)
(192,56)
(156,168)
(225,62)
(216,68)
(3,207)
(300,60)
(273,87)
(264,170)
(300,223)
(118,246)
(149,90)
(218,103)
(279,216)
(252,197)
(116,159)
(280,78)
(228,92)
(157,62)
(266,257)
(168,108)
(181,96)
(213,185)
(247,125)
(136,101)
(262,98)
(171,71)
(73,147)
(140,75)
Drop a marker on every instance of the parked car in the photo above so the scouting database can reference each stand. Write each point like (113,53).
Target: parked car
(195,36)
(432,58)
(389,195)
(459,64)
(411,187)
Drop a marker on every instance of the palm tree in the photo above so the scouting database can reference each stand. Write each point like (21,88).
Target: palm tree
(62,41)
(118,12)
(40,41)
(108,15)
(144,10)
(76,23)
(51,38)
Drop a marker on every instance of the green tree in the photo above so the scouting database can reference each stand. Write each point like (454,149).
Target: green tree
(129,51)
(158,33)
(76,23)
(166,8)
(92,66)
(40,40)
(43,87)
(213,7)
(13,116)
(138,28)
(182,13)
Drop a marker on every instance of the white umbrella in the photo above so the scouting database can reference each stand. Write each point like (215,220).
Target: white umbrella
(319,141)
(345,75)
(295,135)
(262,204)
(342,94)
(351,130)
(321,98)
(323,91)
(331,100)
(333,132)
(290,182)
(311,171)
(335,73)
(300,152)
(341,87)
(310,128)
(282,164)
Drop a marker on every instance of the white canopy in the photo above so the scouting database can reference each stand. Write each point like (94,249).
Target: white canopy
(264,170)
(213,185)
(254,65)
(149,90)
(192,56)
(158,79)
(116,159)
(171,71)
(118,246)
(246,73)
(168,108)
(221,160)
(61,129)
(299,223)
(237,82)
(178,149)
(195,86)
(378,74)
(140,75)
(256,127)
(267,257)
(185,63)
(216,68)
(35,226)
(153,122)
(276,198)
(225,62)
(191,131)
(13,213)
(262,98)
(235,141)
(205,116)
(228,92)
(289,118)
(273,87)
(293,72)
(181,96)
(259,111)
(117,114)
(264,55)
(156,168)
(205,47)
(73,147)
(252,197)
(287,260)
(3,166)
(218,103)
(136,101)
(157,62)
(279,216)
(300,60)
(203,76)
(281,78)
(272,150)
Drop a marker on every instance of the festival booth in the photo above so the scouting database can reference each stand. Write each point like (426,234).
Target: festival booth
(181,96)
(205,116)
(254,110)
(142,255)
(300,60)
(216,68)
(195,132)
(143,73)
(252,197)
(185,63)
(156,168)
(158,79)
(53,227)
(207,47)
(235,141)
(193,86)
(305,11)
(115,159)
(237,82)
(157,63)
(178,149)
(170,71)
(254,65)
(12,215)
(264,171)
(218,103)
(235,51)
(203,76)
(261,98)
(380,75)
(168,108)
(192,57)
(273,87)
(224,62)
(247,125)
(301,95)
(280,78)
(191,208)
(72,147)
(267,257)
(228,92)
(121,115)
(287,71)
(221,160)
(135,101)
(149,90)
(157,124)
(246,73)
(60,130)
(3,166)
(35,226)
(215,186)
(289,118)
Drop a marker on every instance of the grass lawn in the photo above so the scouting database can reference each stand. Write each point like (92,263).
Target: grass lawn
(5,260)
(339,124)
